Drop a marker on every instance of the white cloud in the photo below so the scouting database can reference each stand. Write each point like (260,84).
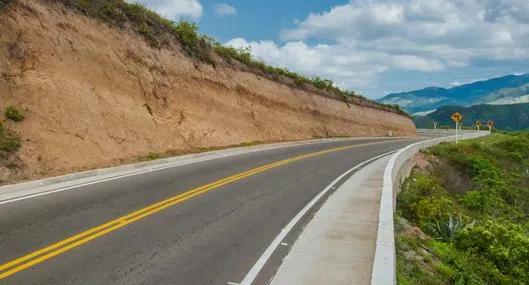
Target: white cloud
(223,9)
(327,61)
(176,9)
(366,38)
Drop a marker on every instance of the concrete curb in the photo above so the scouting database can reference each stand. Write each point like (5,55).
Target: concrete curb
(14,191)
(397,169)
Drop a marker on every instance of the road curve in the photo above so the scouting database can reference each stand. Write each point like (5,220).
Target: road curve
(203,223)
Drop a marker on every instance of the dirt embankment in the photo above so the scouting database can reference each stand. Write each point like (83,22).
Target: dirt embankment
(95,96)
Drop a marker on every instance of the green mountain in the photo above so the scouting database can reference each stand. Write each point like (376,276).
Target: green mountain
(508,89)
(506,117)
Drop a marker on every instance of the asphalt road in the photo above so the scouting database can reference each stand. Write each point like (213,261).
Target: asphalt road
(213,236)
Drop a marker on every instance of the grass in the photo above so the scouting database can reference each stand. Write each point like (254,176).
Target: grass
(161,32)
(477,234)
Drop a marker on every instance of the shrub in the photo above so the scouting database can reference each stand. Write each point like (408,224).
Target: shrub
(136,12)
(324,84)
(432,209)
(188,33)
(416,188)
(506,245)
(466,267)
(489,203)
(144,29)
(14,114)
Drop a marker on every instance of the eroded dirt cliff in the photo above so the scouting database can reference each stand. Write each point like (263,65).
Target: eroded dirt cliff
(96,96)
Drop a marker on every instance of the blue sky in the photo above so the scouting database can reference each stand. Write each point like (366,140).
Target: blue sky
(258,20)
(372,46)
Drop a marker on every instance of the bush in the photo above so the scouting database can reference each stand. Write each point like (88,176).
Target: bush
(463,267)
(432,209)
(188,33)
(414,189)
(504,244)
(14,114)
(488,203)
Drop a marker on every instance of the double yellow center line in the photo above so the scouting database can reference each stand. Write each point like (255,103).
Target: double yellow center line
(55,249)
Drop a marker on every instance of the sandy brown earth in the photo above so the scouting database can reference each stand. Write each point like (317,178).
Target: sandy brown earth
(87,89)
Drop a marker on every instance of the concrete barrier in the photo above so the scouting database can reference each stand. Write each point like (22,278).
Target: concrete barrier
(397,169)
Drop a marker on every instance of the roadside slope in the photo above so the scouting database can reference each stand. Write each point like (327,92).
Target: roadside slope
(95,96)
(462,216)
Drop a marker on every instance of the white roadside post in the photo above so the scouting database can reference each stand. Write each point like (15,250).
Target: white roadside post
(456,117)
(457,132)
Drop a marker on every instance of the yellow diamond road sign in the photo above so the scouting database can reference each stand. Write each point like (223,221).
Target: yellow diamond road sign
(456,117)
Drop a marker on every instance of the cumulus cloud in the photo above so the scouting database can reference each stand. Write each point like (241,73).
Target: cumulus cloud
(176,9)
(366,38)
(223,9)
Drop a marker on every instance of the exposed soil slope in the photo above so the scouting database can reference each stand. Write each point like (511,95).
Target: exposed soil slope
(96,96)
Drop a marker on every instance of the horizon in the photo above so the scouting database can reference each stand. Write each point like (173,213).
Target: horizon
(458,85)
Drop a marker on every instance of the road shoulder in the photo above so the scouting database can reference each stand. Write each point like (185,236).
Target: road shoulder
(338,245)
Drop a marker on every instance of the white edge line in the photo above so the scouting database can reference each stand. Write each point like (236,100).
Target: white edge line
(258,266)
(175,164)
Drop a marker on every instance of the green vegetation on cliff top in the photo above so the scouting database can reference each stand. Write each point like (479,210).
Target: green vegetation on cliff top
(465,218)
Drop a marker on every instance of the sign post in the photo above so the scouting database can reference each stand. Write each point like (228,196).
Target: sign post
(435,125)
(478,124)
(456,117)
(491,124)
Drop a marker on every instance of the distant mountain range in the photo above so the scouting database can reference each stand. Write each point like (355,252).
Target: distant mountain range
(505,117)
(508,89)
